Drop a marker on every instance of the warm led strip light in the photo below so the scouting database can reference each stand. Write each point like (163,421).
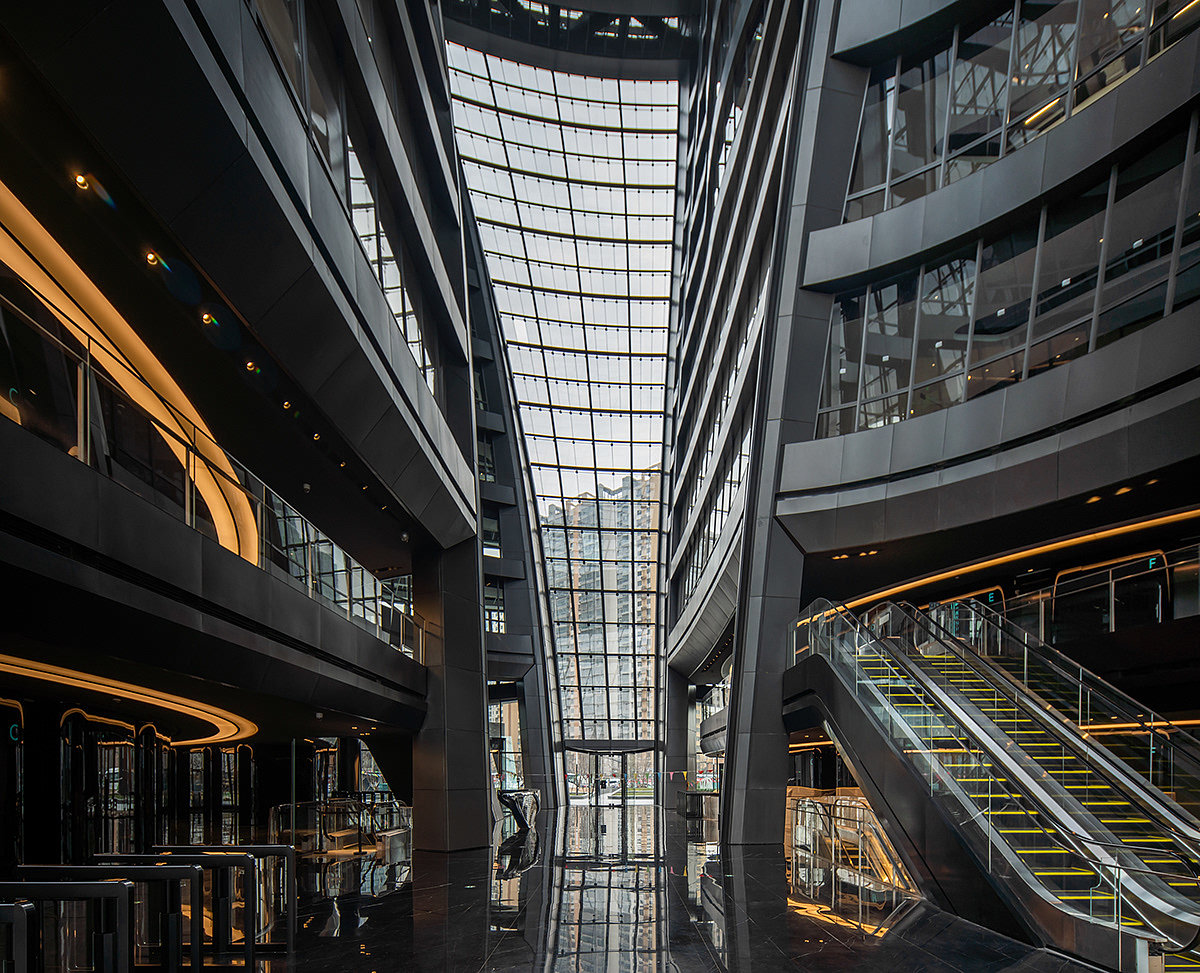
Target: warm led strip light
(66,290)
(1099,535)
(228,726)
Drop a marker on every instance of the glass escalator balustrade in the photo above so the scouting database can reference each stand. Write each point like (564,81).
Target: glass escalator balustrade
(1045,816)
(1159,752)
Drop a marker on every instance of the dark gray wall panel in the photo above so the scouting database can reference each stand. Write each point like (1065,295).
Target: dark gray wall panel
(1091,423)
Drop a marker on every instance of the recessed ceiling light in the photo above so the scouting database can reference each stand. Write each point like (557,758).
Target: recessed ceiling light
(151,258)
(1093,499)
(287,403)
(250,366)
(81,181)
(316,436)
(207,318)
(1123,490)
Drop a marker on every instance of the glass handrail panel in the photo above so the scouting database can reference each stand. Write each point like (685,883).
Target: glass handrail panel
(1161,753)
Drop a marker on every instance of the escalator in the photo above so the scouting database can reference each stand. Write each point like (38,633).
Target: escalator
(1159,752)
(977,775)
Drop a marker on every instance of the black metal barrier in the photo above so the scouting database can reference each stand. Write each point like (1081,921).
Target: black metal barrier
(265,854)
(112,928)
(20,921)
(221,869)
(163,904)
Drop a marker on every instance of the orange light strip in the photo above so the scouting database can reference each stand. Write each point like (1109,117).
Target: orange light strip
(1099,535)
(73,297)
(227,726)
(1102,727)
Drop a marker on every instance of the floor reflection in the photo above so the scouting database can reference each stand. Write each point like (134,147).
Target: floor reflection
(627,890)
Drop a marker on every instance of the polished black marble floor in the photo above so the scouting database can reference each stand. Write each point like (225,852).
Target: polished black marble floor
(595,890)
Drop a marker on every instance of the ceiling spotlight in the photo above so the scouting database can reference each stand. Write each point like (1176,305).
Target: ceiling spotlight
(81,181)
(342,464)
(1151,482)
(404,536)
(1122,490)
(316,437)
(364,486)
(207,318)
(250,366)
(151,258)
(1093,499)
(287,404)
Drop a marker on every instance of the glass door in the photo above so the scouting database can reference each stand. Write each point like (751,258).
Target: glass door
(610,779)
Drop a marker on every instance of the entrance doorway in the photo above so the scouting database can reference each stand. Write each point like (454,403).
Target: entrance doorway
(605,779)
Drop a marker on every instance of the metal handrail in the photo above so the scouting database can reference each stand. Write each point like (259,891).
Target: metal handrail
(865,821)
(360,599)
(169,876)
(113,954)
(1062,664)
(821,611)
(1190,837)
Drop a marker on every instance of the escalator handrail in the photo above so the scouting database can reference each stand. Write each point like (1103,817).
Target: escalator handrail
(1188,831)
(1099,868)
(1182,745)
(1084,677)
(1062,729)
(1004,759)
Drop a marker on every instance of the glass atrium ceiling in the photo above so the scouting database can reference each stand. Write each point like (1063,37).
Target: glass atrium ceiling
(572,180)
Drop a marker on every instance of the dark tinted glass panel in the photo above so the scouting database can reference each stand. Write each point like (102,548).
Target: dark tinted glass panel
(1141,237)
(1139,596)
(281,18)
(891,316)
(845,352)
(1079,614)
(835,423)
(1004,288)
(1070,259)
(1171,20)
(937,395)
(863,206)
(914,187)
(920,124)
(870,164)
(1061,348)
(946,297)
(882,412)
(325,101)
(980,84)
(1045,45)
(1187,280)
(994,374)
(1108,48)
(972,159)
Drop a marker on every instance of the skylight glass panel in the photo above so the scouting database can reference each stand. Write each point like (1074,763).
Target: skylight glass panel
(572,180)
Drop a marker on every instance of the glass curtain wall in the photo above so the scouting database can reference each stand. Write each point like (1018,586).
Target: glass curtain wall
(989,88)
(572,180)
(1087,270)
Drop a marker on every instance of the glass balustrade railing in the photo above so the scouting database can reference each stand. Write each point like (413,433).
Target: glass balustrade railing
(1162,754)
(1095,790)
(1002,805)
(64,392)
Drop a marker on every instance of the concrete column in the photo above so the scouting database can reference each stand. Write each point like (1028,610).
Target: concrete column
(676,768)
(452,788)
